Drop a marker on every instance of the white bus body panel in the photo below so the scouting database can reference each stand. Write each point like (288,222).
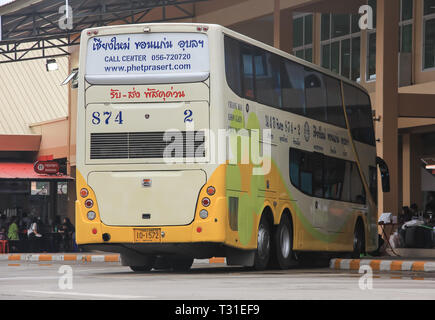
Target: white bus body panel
(169,198)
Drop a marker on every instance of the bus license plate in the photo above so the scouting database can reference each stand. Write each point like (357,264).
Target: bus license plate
(148,235)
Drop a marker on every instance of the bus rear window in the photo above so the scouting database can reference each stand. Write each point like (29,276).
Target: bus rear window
(146,58)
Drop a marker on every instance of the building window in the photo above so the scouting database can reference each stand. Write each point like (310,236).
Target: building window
(405,26)
(371,46)
(405,35)
(341,44)
(40,188)
(303,36)
(371,55)
(429,34)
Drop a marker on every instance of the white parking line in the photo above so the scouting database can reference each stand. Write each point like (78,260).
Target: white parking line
(27,278)
(84,294)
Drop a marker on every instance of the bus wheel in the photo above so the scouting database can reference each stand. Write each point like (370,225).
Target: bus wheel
(262,255)
(358,241)
(284,243)
(149,264)
(181,264)
(162,263)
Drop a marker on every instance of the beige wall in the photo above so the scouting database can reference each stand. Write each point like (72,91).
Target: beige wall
(54,137)
(260,29)
(73,63)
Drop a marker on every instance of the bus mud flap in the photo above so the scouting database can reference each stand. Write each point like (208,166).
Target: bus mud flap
(240,257)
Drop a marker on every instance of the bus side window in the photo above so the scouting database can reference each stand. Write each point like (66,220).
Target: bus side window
(247,53)
(294,167)
(293,87)
(359,113)
(346,194)
(233,65)
(334,109)
(306,174)
(358,194)
(334,177)
(301,167)
(317,160)
(267,79)
(315,95)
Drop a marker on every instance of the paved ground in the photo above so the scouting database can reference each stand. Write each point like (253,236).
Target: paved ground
(37,280)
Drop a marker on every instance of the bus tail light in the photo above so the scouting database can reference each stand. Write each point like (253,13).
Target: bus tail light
(89,203)
(84,192)
(91,215)
(203,214)
(205,202)
(211,191)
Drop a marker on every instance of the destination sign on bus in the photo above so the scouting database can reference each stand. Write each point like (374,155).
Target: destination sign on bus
(133,58)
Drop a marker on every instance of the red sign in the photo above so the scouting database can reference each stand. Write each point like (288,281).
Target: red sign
(46,167)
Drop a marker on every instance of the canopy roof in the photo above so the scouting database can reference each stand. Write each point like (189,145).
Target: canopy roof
(9,170)
(41,25)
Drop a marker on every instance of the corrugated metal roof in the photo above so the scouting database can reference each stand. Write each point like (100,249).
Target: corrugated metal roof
(5,2)
(29,94)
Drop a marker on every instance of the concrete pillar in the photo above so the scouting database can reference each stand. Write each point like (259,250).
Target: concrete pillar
(415,170)
(282,28)
(387,96)
(406,169)
(317,52)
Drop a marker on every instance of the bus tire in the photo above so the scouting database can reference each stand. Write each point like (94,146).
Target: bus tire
(146,267)
(181,264)
(263,252)
(358,240)
(284,243)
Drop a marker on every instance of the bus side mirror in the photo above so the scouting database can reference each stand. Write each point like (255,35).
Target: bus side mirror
(385,174)
(72,77)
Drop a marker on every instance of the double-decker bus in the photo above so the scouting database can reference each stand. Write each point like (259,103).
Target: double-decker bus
(158,181)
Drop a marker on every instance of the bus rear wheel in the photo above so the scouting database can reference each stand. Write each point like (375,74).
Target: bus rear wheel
(181,264)
(150,261)
(262,254)
(284,243)
(358,241)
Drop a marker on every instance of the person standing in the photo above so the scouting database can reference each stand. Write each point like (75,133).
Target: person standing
(67,229)
(13,230)
(34,236)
